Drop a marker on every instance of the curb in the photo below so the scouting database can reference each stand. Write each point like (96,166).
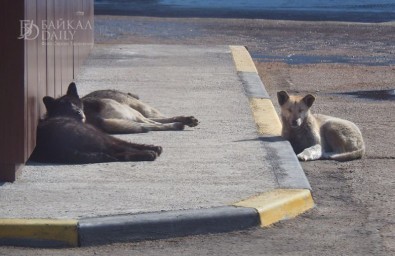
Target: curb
(293,195)
(291,198)
(39,232)
(287,169)
(159,225)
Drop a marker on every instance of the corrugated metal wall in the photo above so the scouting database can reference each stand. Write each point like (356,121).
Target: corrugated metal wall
(42,63)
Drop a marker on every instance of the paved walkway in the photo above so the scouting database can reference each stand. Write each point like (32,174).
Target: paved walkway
(218,163)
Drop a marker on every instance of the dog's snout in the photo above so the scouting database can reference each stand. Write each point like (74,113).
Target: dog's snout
(296,122)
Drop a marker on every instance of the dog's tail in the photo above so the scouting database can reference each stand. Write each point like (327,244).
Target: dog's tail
(347,156)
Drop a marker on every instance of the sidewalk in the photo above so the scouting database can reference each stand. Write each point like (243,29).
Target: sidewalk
(200,182)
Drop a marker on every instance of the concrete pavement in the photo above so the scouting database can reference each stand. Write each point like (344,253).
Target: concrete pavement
(201,181)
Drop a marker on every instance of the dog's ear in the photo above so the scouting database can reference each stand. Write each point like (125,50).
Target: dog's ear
(48,102)
(282,97)
(309,100)
(72,90)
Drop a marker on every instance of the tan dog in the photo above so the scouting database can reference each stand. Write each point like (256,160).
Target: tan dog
(315,136)
(117,112)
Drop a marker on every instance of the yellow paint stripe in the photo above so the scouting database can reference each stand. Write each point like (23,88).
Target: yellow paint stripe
(266,118)
(263,110)
(242,59)
(64,231)
(279,204)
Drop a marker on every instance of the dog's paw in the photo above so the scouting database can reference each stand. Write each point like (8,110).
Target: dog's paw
(157,149)
(148,155)
(308,156)
(191,121)
(311,153)
(152,155)
(303,157)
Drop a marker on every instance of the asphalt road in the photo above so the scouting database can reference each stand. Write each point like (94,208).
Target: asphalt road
(334,10)
(355,200)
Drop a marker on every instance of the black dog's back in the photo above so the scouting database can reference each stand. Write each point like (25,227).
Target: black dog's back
(63,137)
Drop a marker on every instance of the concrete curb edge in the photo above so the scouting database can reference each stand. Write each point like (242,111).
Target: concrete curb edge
(293,195)
(287,168)
(159,225)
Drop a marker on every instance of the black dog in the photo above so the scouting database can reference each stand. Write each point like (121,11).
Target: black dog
(64,137)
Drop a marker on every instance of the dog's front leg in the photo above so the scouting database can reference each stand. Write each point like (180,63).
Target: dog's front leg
(311,153)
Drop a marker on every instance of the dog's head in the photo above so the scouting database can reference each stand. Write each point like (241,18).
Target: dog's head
(69,105)
(294,109)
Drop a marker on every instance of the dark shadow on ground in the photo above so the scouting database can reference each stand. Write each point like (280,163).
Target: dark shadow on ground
(264,139)
(297,59)
(372,94)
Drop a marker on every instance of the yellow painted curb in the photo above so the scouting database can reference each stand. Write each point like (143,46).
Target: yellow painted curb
(263,110)
(242,59)
(61,231)
(279,204)
(265,116)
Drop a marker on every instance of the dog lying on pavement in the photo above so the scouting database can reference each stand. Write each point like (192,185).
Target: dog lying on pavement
(116,112)
(64,137)
(315,136)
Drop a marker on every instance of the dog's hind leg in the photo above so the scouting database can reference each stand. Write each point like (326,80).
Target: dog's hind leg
(186,120)
(121,126)
(177,126)
(125,146)
(155,115)
(153,125)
